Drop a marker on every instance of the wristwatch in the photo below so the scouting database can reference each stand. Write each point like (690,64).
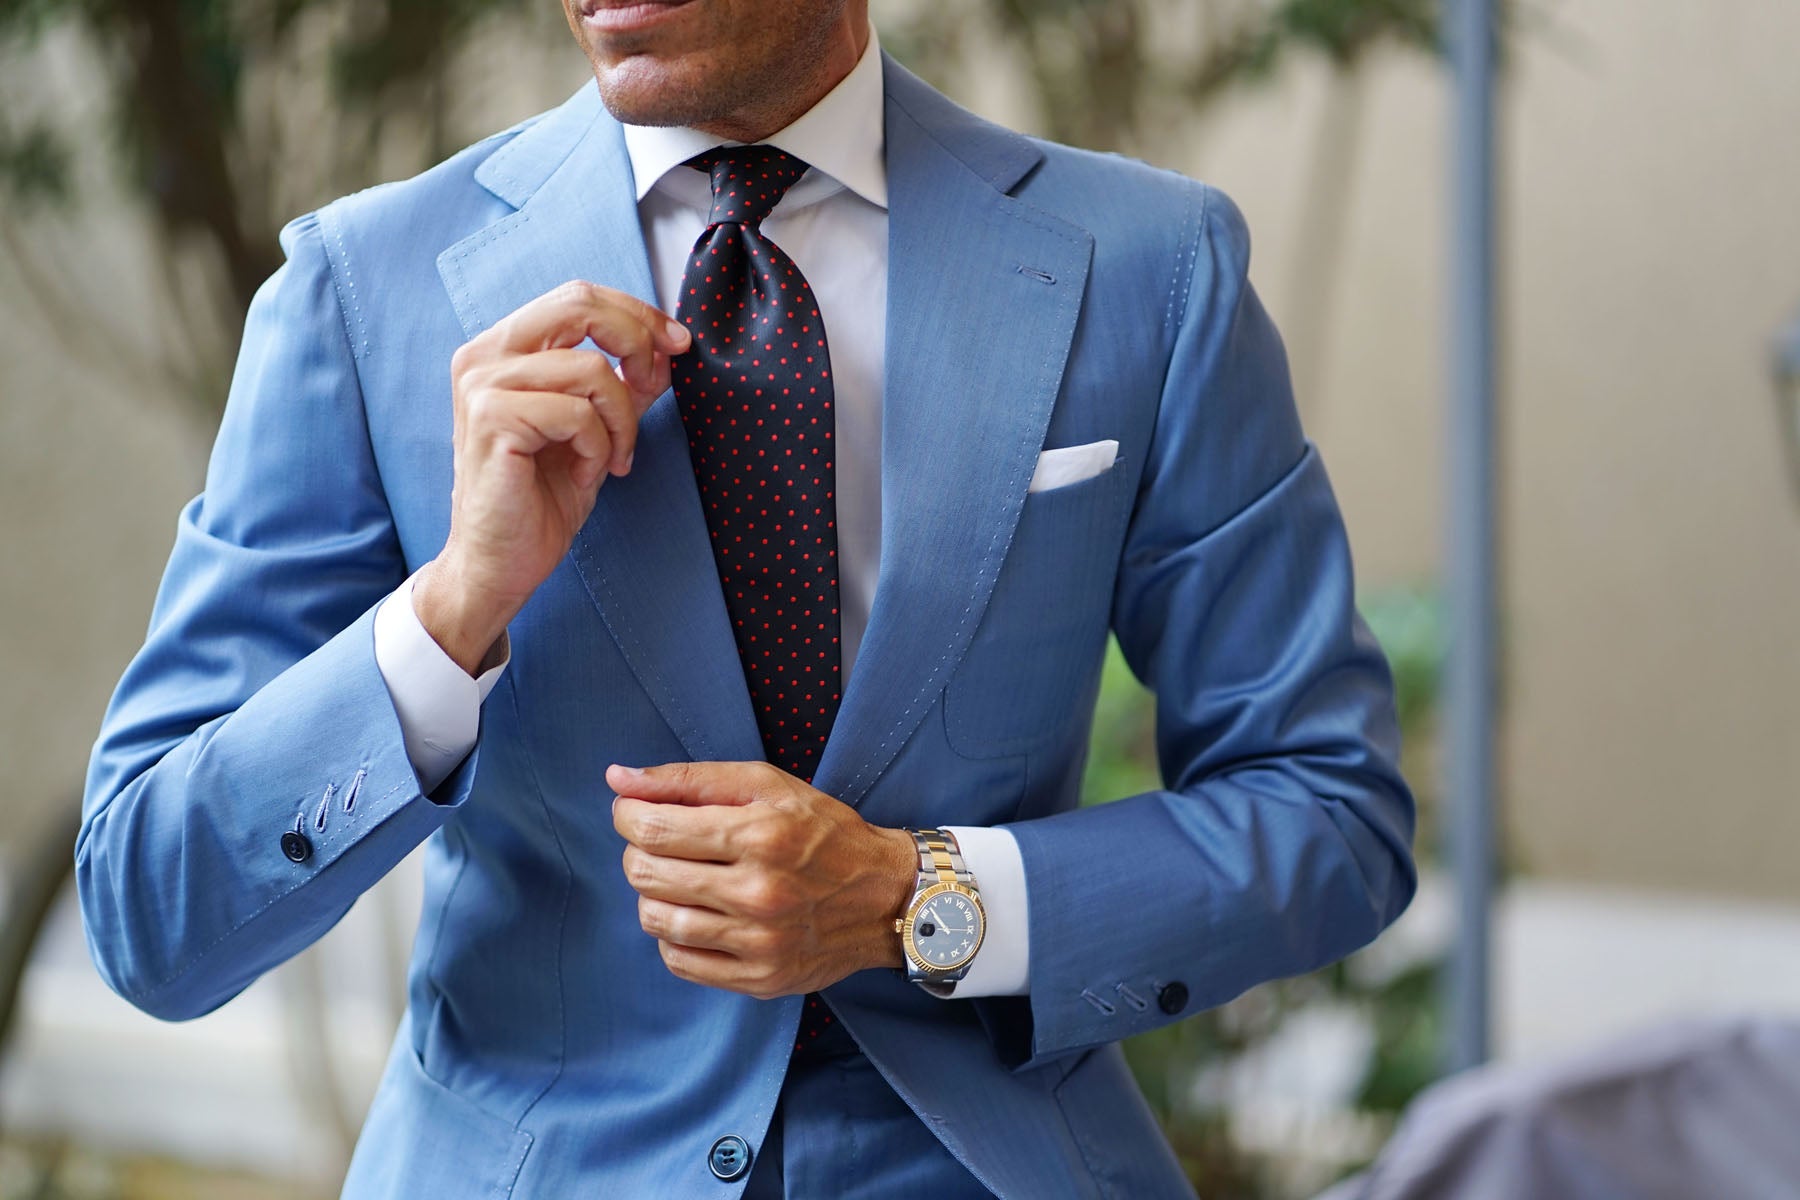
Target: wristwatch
(944,921)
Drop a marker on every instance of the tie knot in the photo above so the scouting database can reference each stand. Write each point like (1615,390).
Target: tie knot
(747,181)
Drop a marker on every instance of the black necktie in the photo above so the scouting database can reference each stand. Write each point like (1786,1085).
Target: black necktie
(755,397)
(756,401)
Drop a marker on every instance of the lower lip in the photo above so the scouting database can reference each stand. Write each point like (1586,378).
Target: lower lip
(630,18)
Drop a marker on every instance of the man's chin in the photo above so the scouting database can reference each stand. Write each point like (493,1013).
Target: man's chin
(642,90)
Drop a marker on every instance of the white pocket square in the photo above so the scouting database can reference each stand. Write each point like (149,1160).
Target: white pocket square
(1072,464)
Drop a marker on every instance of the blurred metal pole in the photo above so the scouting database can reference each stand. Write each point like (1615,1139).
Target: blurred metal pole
(1469,684)
(1787,397)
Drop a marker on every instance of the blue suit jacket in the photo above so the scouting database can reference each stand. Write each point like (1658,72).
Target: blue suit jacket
(1039,296)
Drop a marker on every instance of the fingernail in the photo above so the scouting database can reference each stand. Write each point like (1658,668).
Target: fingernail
(677,331)
(629,459)
(628,772)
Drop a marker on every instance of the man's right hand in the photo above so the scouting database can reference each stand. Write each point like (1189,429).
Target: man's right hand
(539,425)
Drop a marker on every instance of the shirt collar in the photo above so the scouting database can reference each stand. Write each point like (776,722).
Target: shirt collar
(840,136)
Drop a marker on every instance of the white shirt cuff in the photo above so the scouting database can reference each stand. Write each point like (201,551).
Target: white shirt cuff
(438,703)
(1002,966)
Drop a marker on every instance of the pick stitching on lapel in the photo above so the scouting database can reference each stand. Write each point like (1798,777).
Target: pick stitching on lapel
(643,555)
(984,292)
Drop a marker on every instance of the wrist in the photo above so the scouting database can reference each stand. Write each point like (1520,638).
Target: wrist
(899,876)
(465,622)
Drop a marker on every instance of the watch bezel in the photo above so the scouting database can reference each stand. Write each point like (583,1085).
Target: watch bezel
(922,898)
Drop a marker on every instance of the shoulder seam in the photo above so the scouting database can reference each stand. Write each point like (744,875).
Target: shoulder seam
(1194,225)
(343,287)
(332,231)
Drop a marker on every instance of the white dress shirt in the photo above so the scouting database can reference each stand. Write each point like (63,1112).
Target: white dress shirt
(833,223)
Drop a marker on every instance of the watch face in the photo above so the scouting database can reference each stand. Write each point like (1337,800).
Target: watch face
(946,929)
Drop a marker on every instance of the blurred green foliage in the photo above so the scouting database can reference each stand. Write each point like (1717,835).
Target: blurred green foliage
(1409,624)
(1400,1007)
(34,166)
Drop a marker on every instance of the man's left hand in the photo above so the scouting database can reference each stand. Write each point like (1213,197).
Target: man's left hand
(753,881)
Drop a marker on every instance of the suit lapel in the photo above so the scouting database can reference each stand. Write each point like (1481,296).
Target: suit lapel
(984,291)
(643,555)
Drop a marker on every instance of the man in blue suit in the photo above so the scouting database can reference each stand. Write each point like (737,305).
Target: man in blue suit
(743,718)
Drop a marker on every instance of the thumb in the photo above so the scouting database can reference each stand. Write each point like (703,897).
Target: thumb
(686,783)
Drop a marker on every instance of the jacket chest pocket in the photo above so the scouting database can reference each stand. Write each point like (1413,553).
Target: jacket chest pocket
(1028,677)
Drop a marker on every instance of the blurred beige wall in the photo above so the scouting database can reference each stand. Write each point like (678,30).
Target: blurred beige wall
(93,470)
(1651,246)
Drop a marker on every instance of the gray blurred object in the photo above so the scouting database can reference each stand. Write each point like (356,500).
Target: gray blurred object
(1787,396)
(1698,1110)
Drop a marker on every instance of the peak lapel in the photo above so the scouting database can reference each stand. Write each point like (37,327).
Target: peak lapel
(643,555)
(984,291)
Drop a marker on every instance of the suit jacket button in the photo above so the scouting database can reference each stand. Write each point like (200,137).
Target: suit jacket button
(730,1157)
(1172,997)
(296,846)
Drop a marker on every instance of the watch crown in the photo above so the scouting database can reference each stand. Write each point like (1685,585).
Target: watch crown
(899,924)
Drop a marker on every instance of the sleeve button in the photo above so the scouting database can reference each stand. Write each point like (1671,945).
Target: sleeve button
(1172,997)
(296,846)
